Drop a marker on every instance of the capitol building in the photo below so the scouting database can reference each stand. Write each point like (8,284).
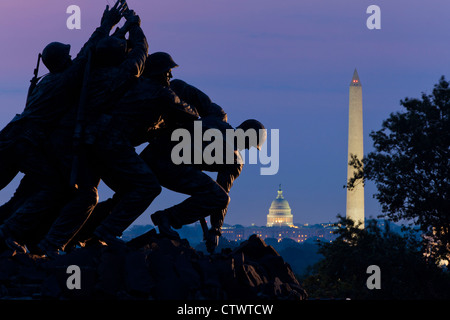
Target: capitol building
(280,212)
(280,226)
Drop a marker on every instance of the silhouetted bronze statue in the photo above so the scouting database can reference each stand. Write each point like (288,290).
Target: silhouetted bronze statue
(209,197)
(81,125)
(23,140)
(145,110)
(115,65)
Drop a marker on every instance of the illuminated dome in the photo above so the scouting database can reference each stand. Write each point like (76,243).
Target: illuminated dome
(280,212)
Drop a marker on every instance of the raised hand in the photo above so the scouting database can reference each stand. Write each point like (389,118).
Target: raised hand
(132,17)
(112,16)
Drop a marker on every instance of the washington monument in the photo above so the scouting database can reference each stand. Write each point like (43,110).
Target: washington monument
(355,197)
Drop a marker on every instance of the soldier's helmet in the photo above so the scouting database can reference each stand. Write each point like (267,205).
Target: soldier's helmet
(55,56)
(261,132)
(110,51)
(159,62)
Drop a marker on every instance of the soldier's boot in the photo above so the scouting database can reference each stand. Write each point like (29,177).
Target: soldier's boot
(8,242)
(48,249)
(93,241)
(161,220)
(102,235)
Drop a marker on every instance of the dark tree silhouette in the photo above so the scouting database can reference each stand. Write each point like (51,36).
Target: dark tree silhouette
(411,167)
(405,274)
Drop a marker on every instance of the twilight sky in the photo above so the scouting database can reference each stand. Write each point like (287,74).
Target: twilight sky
(286,63)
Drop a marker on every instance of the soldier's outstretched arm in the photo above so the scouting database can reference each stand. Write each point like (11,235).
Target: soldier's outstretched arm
(134,64)
(136,58)
(197,98)
(228,173)
(176,111)
(225,178)
(109,19)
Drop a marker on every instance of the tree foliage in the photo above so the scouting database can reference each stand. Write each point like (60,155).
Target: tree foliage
(405,274)
(410,167)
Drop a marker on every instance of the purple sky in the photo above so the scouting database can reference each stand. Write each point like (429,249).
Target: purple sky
(287,63)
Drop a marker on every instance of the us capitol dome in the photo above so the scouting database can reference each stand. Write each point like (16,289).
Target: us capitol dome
(280,212)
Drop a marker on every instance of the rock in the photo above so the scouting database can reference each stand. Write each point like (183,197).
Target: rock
(152,267)
(255,248)
(111,272)
(138,280)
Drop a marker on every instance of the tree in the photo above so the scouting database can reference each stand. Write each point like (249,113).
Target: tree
(405,274)
(410,167)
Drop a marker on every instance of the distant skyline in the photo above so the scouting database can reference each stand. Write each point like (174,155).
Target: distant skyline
(286,63)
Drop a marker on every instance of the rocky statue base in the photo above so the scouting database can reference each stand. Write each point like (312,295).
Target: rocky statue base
(152,268)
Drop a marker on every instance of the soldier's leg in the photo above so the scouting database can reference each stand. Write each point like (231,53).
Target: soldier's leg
(129,176)
(23,191)
(8,167)
(100,212)
(84,198)
(76,211)
(206,196)
(80,202)
(48,191)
